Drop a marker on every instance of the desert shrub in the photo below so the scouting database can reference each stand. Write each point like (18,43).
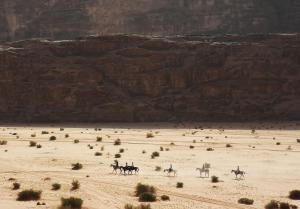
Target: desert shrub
(284,205)
(32,144)
(75,185)
(56,186)
(29,195)
(278,143)
(157,168)
(3,142)
(38,146)
(214,179)
(141,206)
(272,205)
(71,203)
(161,149)
(66,135)
(246,201)
(167,149)
(228,145)
(61,129)
(172,143)
(77,166)
(45,132)
(165,198)
(142,188)
(99,139)
(155,154)
(121,150)
(52,138)
(149,135)
(144,152)
(102,148)
(118,155)
(76,141)
(298,140)
(98,154)
(147,197)
(33,135)
(209,149)
(16,186)
(192,147)
(117,142)
(179,185)
(194,141)
(294,195)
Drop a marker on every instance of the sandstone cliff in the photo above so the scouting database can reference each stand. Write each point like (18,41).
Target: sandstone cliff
(66,19)
(134,78)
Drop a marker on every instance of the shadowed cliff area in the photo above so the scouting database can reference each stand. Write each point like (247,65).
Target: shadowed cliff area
(67,19)
(136,78)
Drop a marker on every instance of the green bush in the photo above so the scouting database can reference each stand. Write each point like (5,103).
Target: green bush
(246,201)
(294,195)
(56,186)
(142,188)
(147,197)
(179,185)
(71,203)
(29,195)
(77,166)
(165,198)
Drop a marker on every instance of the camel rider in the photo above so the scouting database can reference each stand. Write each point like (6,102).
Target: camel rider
(132,164)
(238,169)
(117,162)
(126,165)
(171,167)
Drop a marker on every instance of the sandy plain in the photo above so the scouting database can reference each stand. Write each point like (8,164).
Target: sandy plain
(271,170)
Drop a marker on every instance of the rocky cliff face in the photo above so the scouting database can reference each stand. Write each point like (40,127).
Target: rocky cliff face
(133,78)
(65,19)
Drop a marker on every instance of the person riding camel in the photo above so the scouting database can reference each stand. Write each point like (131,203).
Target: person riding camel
(171,167)
(126,165)
(117,162)
(132,164)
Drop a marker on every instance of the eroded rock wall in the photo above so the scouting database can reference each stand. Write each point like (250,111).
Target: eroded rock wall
(134,78)
(66,19)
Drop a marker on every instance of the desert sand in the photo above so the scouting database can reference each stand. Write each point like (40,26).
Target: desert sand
(271,170)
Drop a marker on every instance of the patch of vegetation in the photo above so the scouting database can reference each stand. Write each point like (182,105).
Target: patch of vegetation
(192,147)
(99,139)
(52,138)
(38,146)
(66,135)
(118,155)
(209,149)
(298,140)
(142,188)
(157,168)
(149,135)
(16,186)
(154,155)
(246,201)
(278,143)
(117,142)
(29,195)
(61,129)
(228,145)
(77,166)
(32,144)
(45,132)
(172,143)
(147,197)
(76,141)
(3,142)
(144,152)
(179,185)
(214,179)
(165,198)
(33,135)
(98,154)
(75,185)
(272,205)
(71,203)
(56,186)
(121,150)
(294,195)
(141,206)
(161,149)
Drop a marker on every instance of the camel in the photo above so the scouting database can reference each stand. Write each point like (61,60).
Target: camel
(204,170)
